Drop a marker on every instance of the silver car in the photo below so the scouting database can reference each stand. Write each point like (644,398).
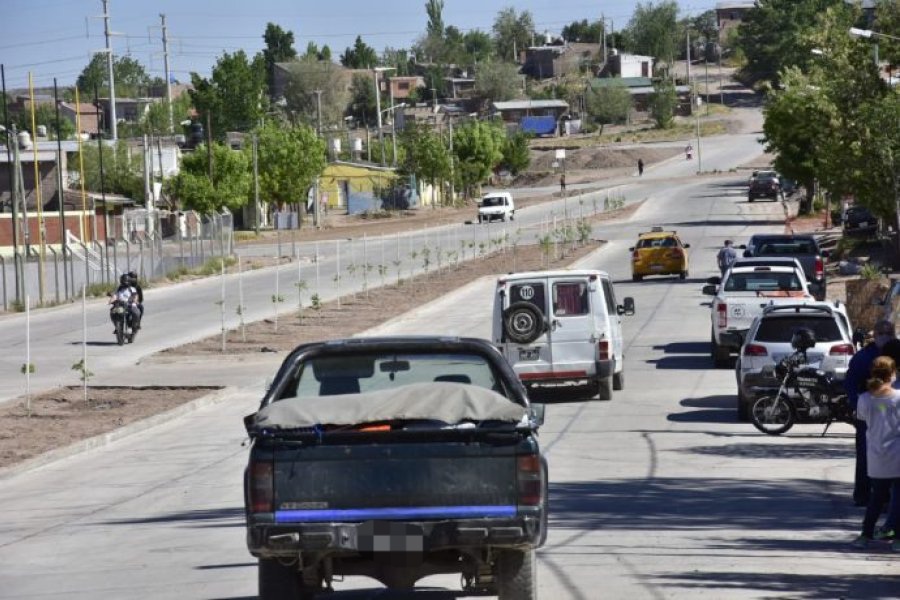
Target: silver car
(769,340)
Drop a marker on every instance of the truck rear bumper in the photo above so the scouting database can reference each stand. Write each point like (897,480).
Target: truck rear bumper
(289,539)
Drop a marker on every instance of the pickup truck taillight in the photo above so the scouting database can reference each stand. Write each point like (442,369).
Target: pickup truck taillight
(841,350)
(820,268)
(722,312)
(261,487)
(530,480)
(603,350)
(755,350)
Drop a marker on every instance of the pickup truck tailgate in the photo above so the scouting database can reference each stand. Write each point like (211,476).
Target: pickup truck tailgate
(401,480)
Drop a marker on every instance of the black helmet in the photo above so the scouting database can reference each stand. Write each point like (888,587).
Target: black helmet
(123,279)
(132,277)
(803,339)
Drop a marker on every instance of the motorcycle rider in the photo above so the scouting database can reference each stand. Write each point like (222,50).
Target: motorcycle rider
(127,294)
(133,280)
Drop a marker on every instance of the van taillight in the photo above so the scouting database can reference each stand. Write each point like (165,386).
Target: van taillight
(820,268)
(603,350)
(261,487)
(530,477)
(755,350)
(722,312)
(841,350)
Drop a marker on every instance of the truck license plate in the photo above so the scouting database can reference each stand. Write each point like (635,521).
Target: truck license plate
(529,353)
(863,223)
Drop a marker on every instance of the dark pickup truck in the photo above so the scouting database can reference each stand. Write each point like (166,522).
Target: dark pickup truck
(395,458)
(804,248)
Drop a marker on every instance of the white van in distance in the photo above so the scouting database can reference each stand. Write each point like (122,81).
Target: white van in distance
(496,205)
(562,328)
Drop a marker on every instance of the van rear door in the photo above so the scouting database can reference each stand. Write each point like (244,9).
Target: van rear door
(572,327)
(536,356)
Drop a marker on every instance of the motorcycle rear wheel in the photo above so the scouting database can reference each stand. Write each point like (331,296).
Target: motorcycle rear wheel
(772,415)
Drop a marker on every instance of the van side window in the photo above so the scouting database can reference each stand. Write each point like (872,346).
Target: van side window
(533,293)
(570,299)
(610,296)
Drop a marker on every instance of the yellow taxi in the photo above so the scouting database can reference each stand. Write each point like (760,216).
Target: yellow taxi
(659,252)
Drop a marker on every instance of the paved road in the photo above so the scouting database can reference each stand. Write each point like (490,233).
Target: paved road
(656,494)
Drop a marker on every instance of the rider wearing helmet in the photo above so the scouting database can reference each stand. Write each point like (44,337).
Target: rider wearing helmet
(127,293)
(133,280)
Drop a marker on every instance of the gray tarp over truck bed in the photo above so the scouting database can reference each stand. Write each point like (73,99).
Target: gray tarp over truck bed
(450,403)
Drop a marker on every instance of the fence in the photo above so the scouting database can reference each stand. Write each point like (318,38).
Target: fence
(164,244)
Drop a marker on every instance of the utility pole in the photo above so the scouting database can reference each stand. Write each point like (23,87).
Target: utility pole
(318,94)
(256,183)
(209,159)
(10,141)
(114,132)
(603,37)
(165,41)
(59,182)
(316,217)
(688,60)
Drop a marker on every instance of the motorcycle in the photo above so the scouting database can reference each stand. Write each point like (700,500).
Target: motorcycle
(122,318)
(806,392)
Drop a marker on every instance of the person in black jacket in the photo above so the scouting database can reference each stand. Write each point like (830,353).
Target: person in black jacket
(133,281)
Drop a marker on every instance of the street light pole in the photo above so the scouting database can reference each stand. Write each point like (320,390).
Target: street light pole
(375,72)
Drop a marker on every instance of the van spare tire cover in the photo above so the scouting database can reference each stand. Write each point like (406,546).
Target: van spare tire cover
(523,322)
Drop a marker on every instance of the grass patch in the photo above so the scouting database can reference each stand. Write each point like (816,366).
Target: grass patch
(214,266)
(245,236)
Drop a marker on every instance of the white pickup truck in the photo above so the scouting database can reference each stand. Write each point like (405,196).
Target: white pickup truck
(741,295)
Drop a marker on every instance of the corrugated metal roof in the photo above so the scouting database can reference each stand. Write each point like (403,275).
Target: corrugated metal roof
(626,81)
(530,104)
(745,4)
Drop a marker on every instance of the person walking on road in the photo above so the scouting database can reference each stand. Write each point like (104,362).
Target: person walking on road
(640,167)
(688,151)
(726,257)
(854,383)
(879,408)
(562,184)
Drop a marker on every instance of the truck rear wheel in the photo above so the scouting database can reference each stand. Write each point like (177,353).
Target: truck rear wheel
(282,582)
(516,575)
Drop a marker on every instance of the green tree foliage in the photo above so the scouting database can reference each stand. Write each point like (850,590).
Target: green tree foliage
(398,59)
(426,155)
(583,31)
(362,99)
(307,75)
(887,21)
(360,56)
(289,160)
(435,11)
(478,46)
(653,30)
(156,121)
(122,174)
(478,149)
(879,146)
(496,81)
(609,104)
(516,153)
(512,33)
(279,48)
(776,35)
(131,77)
(663,102)
(230,187)
(233,98)
(705,25)
(44,114)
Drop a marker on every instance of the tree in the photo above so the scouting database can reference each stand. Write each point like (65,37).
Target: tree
(478,148)
(362,99)
(44,114)
(609,104)
(121,173)
(131,78)
(663,101)
(512,33)
(434,9)
(653,30)
(279,48)
(887,21)
(289,160)
(233,98)
(156,121)
(230,186)
(304,77)
(478,46)
(397,58)
(497,81)
(426,155)
(360,56)
(516,153)
(583,31)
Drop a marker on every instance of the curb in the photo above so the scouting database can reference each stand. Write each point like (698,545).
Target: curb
(104,439)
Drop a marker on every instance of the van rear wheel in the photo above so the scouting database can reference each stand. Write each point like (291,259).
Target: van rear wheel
(618,382)
(604,387)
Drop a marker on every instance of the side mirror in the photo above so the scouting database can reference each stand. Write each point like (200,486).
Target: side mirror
(627,307)
(536,414)
(631,249)
(748,254)
(710,290)
(715,280)
(687,245)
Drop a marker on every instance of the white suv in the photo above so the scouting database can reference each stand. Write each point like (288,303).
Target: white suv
(769,340)
(496,205)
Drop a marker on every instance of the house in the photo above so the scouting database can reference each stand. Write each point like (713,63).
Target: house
(548,61)
(731,14)
(128,110)
(355,187)
(541,117)
(624,65)
(459,87)
(402,87)
(85,114)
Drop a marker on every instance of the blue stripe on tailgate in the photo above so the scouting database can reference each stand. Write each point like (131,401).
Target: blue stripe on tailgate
(419,512)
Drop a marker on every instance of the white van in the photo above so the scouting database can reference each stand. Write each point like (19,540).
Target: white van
(496,205)
(562,327)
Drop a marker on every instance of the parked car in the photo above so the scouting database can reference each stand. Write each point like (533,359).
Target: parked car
(496,205)
(769,340)
(562,328)
(765,184)
(804,248)
(859,220)
(741,296)
(659,252)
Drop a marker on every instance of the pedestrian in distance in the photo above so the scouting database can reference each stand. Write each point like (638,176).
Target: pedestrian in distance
(562,184)
(640,167)
(854,383)
(688,151)
(879,408)
(726,257)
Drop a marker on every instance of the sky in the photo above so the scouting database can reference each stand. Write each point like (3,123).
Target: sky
(55,38)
